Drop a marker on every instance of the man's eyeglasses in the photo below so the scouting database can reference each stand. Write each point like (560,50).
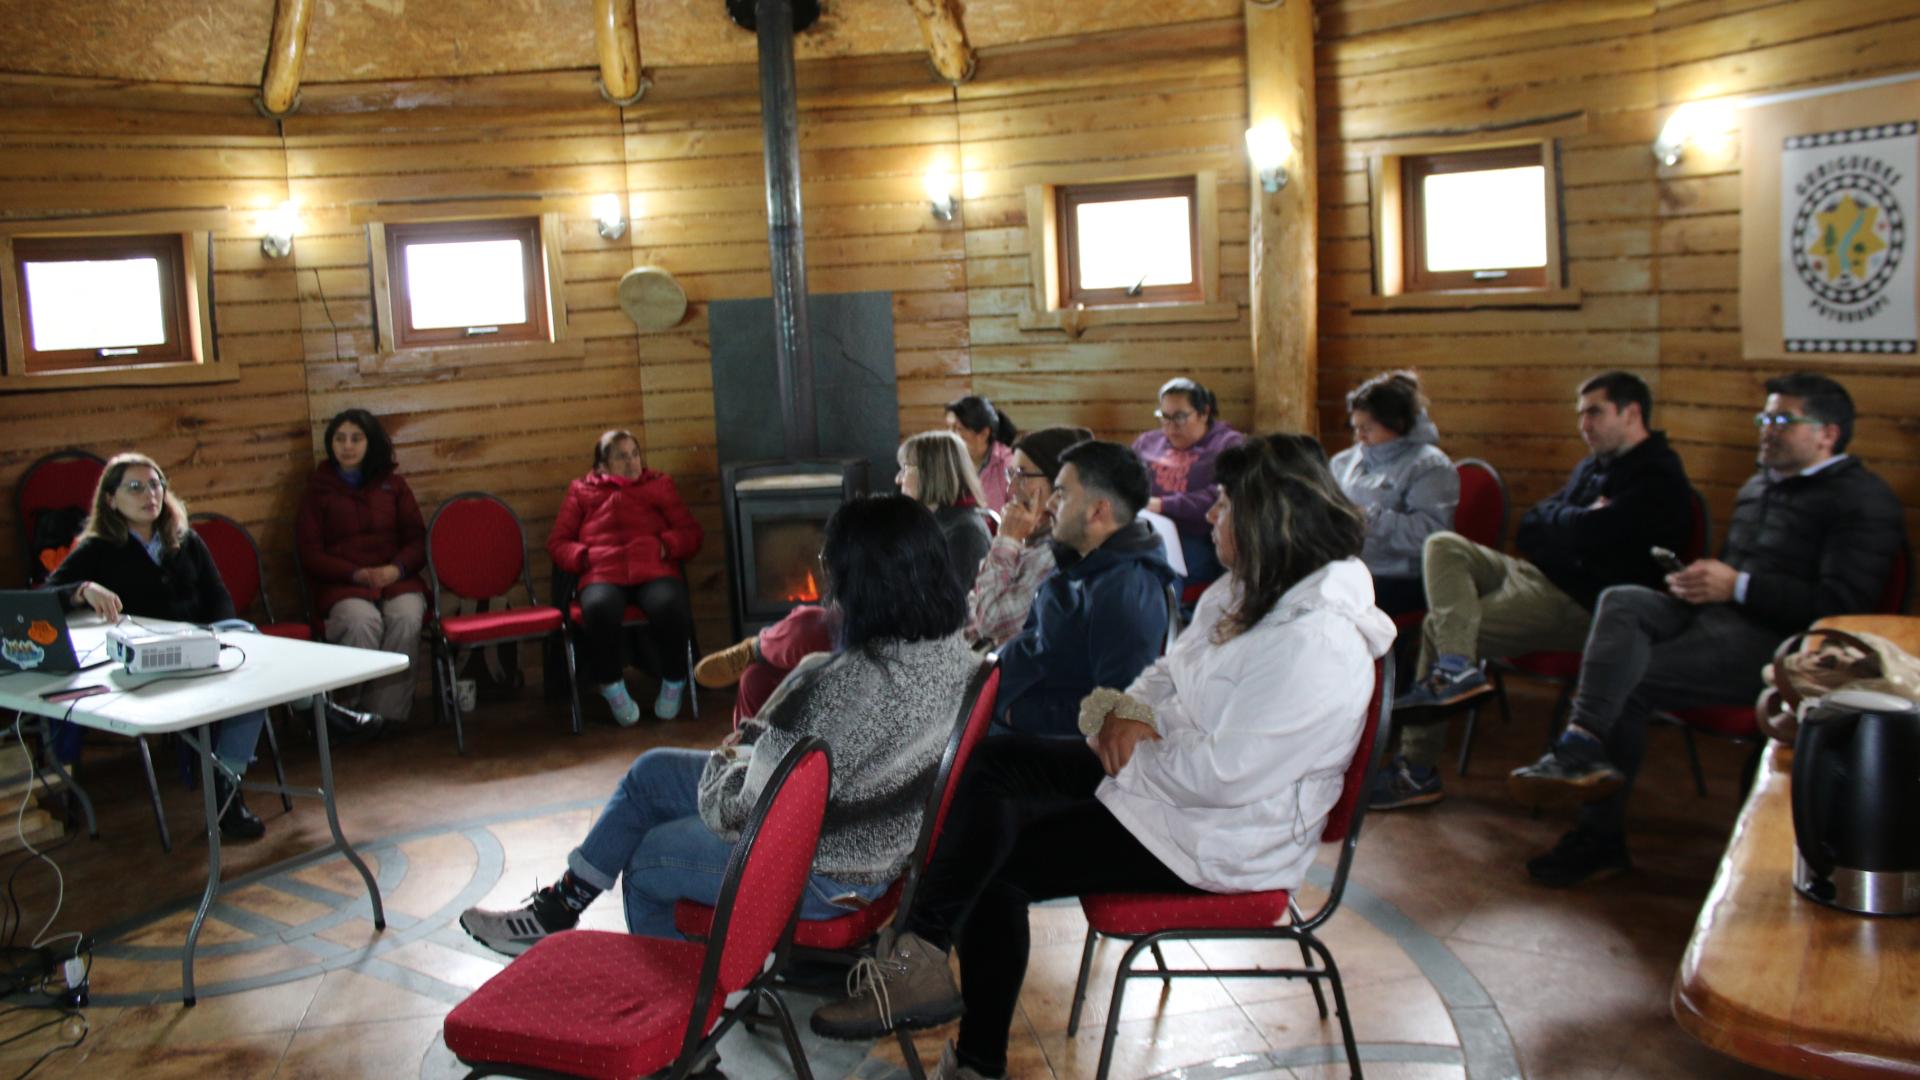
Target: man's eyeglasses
(1015,474)
(1180,417)
(1780,421)
(141,487)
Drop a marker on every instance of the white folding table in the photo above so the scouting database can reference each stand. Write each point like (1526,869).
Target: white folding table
(258,672)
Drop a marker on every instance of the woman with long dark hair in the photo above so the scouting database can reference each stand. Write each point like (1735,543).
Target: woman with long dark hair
(138,558)
(1214,771)
(362,546)
(988,434)
(1179,456)
(623,531)
(884,700)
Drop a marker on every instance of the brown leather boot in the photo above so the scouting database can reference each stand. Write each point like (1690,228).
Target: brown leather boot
(725,667)
(906,985)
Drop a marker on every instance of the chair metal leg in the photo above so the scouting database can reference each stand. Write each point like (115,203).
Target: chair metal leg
(153,794)
(1339,1002)
(1166,981)
(1693,761)
(1500,695)
(1120,977)
(1080,984)
(1319,999)
(911,1053)
(795,1053)
(1466,737)
(693,689)
(279,772)
(573,681)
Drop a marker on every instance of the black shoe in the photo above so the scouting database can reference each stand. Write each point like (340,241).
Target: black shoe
(1575,771)
(1397,787)
(1581,856)
(236,821)
(348,726)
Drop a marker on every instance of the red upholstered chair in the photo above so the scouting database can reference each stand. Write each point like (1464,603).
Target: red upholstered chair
(61,481)
(599,1004)
(1149,919)
(476,550)
(1736,722)
(843,939)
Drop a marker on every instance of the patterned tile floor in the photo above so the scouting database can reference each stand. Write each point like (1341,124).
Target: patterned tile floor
(1456,966)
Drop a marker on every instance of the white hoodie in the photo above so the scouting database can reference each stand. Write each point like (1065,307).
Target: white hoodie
(1255,735)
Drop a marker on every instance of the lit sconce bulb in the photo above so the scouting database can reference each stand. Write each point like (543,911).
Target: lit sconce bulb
(1691,127)
(608,212)
(1268,150)
(276,242)
(939,184)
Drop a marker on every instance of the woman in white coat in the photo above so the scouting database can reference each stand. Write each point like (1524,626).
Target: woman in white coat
(1215,770)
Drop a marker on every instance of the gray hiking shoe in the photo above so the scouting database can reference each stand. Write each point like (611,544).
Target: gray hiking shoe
(511,933)
(906,985)
(1575,771)
(1454,679)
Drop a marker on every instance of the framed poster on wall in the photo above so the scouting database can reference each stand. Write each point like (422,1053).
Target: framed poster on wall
(1830,190)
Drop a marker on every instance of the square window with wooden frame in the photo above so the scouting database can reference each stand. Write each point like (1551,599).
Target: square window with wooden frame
(98,302)
(1134,242)
(1469,221)
(467,282)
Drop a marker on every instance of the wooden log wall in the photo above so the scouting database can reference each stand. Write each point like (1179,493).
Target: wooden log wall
(688,160)
(1654,251)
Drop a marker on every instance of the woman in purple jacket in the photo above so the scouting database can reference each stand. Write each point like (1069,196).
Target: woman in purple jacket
(1179,456)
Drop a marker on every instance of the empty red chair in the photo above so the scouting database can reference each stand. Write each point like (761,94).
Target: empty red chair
(476,550)
(59,483)
(237,557)
(599,1004)
(1149,919)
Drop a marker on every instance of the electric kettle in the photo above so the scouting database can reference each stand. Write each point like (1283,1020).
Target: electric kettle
(1856,803)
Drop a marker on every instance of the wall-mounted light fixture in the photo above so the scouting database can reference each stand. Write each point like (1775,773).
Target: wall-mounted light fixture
(1268,149)
(1692,127)
(939,184)
(610,216)
(276,241)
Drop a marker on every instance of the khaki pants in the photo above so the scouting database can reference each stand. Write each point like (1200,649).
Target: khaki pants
(393,625)
(1483,603)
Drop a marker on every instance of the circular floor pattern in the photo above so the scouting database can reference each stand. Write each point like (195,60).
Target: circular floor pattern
(1486,1050)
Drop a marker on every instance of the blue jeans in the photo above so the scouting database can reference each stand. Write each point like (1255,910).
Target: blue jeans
(651,836)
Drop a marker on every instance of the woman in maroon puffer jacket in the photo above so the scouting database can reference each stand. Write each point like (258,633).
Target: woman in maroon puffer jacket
(362,547)
(624,532)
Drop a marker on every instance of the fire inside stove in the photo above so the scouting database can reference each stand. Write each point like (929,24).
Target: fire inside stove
(787,560)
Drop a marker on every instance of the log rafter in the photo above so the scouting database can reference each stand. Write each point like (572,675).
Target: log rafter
(286,55)
(616,37)
(948,50)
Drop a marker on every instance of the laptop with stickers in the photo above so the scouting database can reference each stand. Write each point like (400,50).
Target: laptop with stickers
(33,633)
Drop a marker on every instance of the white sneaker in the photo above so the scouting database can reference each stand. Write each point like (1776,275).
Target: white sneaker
(666,705)
(951,1069)
(626,711)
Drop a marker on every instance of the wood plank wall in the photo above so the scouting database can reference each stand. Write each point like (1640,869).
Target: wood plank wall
(688,159)
(1655,251)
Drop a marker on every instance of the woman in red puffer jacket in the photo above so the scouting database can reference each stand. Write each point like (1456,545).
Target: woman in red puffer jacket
(624,532)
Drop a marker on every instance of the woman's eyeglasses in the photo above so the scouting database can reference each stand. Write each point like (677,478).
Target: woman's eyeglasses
(1781,421)
(141,487)
(1180,417)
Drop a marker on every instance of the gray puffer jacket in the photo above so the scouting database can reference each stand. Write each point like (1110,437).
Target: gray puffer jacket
(1408,489)
(886,714)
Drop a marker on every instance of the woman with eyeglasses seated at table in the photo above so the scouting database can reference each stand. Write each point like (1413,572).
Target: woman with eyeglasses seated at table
(1021,555)
(623,531)
(1179,457)
(935,472)
(884,699)
(988,434)
(362,546)
(137,558)
(1214,772)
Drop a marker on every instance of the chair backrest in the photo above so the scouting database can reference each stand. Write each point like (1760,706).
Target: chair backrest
(62,480)
(766,874)
(970,725)
(1700,538)
(1893,595)
(476,548)
(1481,515)
(236,557)
(1343,821)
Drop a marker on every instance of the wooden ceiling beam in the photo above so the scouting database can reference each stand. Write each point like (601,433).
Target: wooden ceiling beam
(286,54)
(616,36)
(946,37)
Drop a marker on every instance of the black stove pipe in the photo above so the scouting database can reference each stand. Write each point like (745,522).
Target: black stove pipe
(786,240)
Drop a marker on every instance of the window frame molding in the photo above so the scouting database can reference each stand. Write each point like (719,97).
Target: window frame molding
(1068,197)
(197,231)
(376,217)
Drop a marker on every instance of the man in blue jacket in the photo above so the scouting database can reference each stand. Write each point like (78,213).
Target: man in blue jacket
(1101,617)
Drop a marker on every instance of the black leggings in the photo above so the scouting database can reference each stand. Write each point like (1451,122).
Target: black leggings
(1024,827)
(669,626)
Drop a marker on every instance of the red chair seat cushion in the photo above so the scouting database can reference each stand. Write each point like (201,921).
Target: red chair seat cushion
(1407,620)
(1133,914)
(1547,665)
(1732,721)
(584,1003)
(298,631)
(833,935)
(633,616)
(509,625)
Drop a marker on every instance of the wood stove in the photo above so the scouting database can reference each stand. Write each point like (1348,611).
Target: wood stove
(776,522)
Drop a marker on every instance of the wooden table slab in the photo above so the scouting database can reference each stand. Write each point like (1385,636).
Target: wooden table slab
(1779,981)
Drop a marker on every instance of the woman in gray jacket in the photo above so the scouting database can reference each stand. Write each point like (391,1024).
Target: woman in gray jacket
(1400,479)
(883,700)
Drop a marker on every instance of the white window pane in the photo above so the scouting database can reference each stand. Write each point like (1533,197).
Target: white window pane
(108,304)
(1487,220)
(1138,241)
(469,283)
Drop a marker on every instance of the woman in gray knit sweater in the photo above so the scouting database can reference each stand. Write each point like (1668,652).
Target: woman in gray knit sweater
(884,700)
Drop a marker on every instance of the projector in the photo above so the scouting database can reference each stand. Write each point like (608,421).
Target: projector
(147,653)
